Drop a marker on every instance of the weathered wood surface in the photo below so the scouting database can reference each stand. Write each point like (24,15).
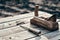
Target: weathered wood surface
(45,35)
(12,21)
(15,32)
(44,14)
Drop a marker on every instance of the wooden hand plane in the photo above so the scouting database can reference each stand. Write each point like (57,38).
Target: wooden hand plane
(47,23)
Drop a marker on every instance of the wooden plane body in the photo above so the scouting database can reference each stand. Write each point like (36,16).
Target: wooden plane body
(47,23)
(50,25)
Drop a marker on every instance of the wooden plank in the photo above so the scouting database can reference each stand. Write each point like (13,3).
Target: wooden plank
(12,30)
(7,25)
(19,36)
(44,14)
(14,23)
(39,38)
(56,38)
